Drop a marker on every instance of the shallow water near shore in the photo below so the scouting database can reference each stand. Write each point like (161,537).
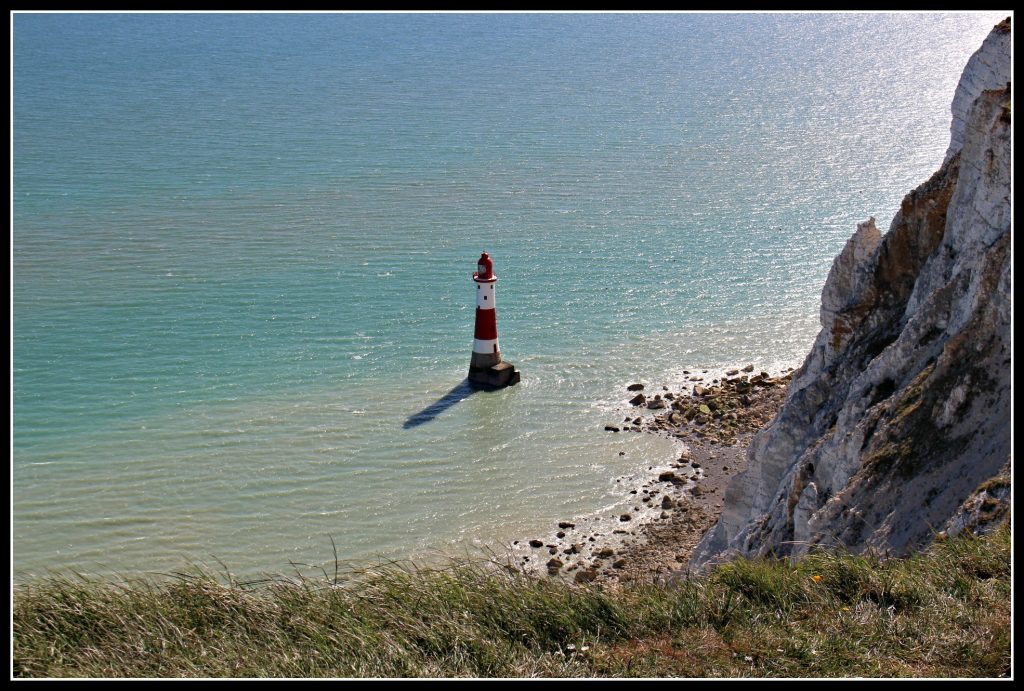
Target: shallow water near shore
(243,246)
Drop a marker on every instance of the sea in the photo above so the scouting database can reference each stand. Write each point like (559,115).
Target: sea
(242,247)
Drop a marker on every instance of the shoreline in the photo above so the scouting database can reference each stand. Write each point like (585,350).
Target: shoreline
(714,417)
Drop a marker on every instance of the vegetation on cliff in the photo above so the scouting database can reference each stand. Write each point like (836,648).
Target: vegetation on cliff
(941,613)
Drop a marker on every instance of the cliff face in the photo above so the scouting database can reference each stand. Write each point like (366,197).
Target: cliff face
(988,68)
(901,411)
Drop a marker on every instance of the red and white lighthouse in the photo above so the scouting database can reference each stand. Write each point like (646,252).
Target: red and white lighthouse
(486,366)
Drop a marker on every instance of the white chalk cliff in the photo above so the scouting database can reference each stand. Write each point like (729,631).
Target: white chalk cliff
(900,415)
(988,68)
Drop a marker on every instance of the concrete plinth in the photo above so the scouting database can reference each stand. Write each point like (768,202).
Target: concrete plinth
(498,376)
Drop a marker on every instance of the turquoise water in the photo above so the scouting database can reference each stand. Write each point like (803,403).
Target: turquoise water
(243,246)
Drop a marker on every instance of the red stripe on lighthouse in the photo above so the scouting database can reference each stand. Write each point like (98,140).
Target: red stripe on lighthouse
(486,325)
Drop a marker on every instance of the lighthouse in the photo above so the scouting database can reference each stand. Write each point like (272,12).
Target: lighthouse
(486,366)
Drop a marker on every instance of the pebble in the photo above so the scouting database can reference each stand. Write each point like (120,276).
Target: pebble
(704,412)
(536,543)
(586,576)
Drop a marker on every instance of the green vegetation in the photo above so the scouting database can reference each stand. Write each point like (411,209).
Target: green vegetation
(995,484)
(942,613)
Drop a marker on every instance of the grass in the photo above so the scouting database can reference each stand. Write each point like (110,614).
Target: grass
(942,613)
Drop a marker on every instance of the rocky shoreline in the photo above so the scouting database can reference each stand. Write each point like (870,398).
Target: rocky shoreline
(714,418)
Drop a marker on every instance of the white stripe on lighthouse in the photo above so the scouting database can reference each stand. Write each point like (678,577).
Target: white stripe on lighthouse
(485,296)
(490,346)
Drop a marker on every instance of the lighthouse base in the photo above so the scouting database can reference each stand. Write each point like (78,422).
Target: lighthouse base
(497,376)
(484,360)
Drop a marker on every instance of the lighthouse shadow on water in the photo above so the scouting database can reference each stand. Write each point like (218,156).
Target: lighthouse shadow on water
(463,390)
(460,392)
